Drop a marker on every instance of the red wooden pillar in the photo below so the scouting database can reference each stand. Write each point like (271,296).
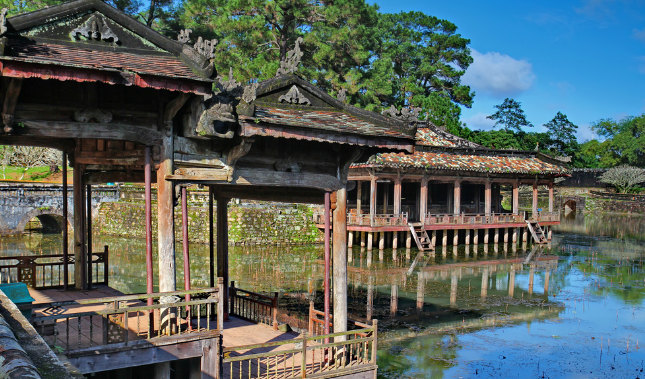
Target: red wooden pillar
(372,199)
(327,261)
(516,198)
(340,262)
(148,205)
(457,197)
(65,226)
(423,200)
(397,196)
(487,198)
(535,201)
(551,197)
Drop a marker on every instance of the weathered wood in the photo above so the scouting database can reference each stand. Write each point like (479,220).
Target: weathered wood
(487,198)
(372,197)
(79,228)
(397,196)
(102,177)
(340,262)
(359,195)
(550,197)
(222,245)
(457,197)
(10,101)
(142,352)
(166,224)
(199,160)
(516,197)
(535,201)
(423,200)
(112,131)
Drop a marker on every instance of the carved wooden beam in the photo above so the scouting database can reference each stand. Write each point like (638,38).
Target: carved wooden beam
(238,151)
(171,109)
(10,102)
(61,129)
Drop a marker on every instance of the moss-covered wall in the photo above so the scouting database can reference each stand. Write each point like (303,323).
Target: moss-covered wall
(262,223)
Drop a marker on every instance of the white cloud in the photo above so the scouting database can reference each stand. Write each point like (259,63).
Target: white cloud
(639,34)
(479,121)
(498,74)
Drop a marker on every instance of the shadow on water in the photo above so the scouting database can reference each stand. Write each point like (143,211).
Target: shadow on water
(576,309)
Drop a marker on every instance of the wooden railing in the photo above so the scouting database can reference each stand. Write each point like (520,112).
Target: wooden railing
(317,322)
(546,217)
(473,219)
(80,324)
(47,271)
(365,219)
(351,352)
(253,306)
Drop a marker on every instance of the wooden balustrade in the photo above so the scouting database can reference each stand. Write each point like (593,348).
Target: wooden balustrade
(82,324)
(473,219)
(351,352)
(46,271)
(253,306)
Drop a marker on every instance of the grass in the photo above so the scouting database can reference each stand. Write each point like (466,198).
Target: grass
(40,173)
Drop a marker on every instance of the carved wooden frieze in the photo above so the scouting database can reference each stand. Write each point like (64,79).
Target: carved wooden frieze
(290,64)
(250,93)
(87,115)
(95,28)
(406,114)
(204,47)
(294,96)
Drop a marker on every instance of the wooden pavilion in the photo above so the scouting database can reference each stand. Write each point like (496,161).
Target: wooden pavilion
(125,103)
(449,185)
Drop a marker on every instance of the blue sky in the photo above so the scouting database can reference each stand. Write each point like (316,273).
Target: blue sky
(585,58)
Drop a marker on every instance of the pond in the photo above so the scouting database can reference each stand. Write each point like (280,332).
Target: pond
(576,309)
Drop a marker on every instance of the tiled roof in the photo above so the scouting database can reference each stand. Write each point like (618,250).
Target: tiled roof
(428,137)
(165,65)
(484,162)
(323,119)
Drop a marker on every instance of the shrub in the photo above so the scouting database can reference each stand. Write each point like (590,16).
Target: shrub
(625,178)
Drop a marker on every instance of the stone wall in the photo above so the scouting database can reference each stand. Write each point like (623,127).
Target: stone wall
(262,223)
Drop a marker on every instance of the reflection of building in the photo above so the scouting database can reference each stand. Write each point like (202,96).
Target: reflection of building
(448,183)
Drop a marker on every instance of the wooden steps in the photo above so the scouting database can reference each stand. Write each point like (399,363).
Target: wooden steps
(537,232)
(420,236)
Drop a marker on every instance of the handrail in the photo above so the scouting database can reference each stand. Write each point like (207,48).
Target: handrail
(128,317)
(254,307)
(321,356)
(30,269)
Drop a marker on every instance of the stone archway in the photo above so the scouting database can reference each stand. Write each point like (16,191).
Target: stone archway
(570,206)
(51,220)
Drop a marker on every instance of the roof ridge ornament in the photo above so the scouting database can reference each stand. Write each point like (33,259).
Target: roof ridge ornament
(342,95)
(3,21)
(407,114)
(294,96)
(290,63)
(205,47)
(95,28)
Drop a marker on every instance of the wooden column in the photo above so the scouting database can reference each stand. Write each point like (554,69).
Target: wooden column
(165,221)
(211,238)
(381,240)
(551,197)
(222,247)
(370,301)
(80,264)
(359,194)
(385,199)
(88,248)
(339,260)
(535,201)
(487,198)
(148,215)
(397,196)
(516,198)
(65,226)
(372,199)
(370,241)
(457,197)
(327,260)
(423,200)
(484,289)
(184,235)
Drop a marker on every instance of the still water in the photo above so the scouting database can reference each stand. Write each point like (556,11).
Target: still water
(576,310)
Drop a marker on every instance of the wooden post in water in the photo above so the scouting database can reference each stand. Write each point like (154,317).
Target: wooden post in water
(222,247)
(340,263)
(484,289)
(531,278)
(80,265)
(453,288)
(381,241)
(420,291)
(394,300)
(547,275)
(370,241)
(511,282)
(370,299)
(65,226)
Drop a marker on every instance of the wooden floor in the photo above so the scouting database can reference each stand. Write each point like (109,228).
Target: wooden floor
(236,332)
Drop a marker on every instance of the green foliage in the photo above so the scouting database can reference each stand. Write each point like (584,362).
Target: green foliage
(510,115)
(562,133)
(625,141)
(419,61)
(255,34)
(16,7)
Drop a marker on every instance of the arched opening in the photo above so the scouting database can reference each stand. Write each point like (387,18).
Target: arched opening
(569,207)
(45,224)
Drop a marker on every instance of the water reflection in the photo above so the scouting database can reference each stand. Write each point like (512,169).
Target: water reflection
(481,310)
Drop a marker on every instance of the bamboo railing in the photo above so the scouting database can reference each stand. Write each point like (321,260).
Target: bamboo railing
(79,324)
(351,352)
(47,271)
